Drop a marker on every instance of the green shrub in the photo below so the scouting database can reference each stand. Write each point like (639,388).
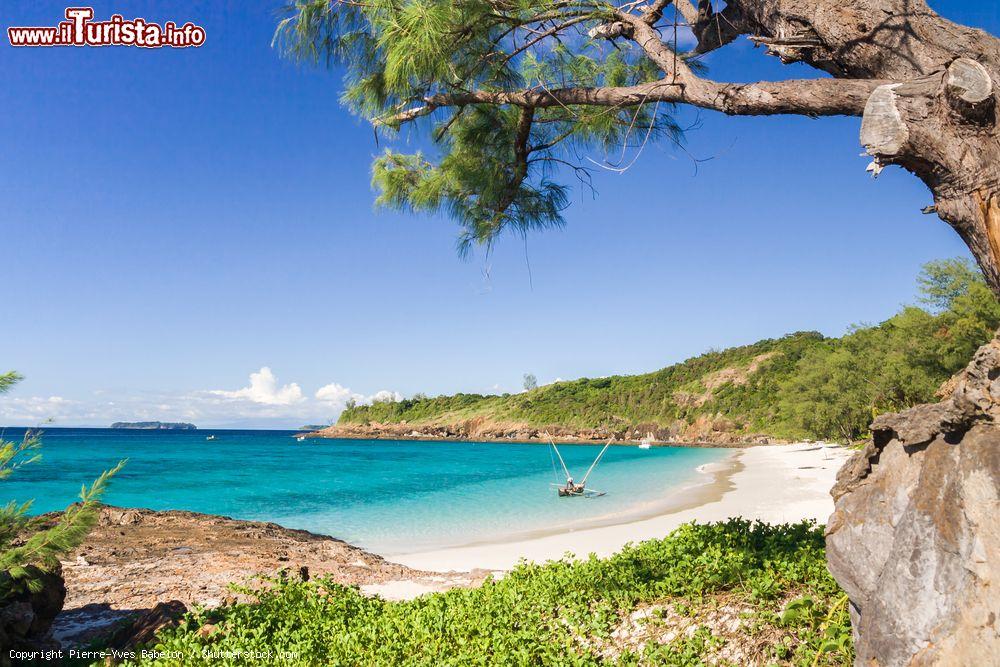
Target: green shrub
(32,544)
(550,614)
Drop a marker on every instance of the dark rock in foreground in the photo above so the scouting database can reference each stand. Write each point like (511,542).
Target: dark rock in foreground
(26,617)
(915,537)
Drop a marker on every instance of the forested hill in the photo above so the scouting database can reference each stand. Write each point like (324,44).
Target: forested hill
(800,385)
(738,383)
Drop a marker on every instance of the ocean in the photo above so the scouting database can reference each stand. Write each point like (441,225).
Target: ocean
(386,496)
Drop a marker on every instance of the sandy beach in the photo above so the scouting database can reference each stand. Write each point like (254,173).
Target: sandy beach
(774,483)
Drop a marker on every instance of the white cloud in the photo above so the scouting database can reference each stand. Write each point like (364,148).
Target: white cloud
(339,395)
(264,389)
(264,403)
(34,410)
(383,396)
(336,394)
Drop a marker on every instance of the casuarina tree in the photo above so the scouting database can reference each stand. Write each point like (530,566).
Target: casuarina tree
(509,91)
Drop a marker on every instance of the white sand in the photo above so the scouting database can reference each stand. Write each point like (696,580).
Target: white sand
(781,483)
(398,590)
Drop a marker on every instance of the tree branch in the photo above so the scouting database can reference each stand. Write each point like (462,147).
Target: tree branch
(653,12)
(687,10)
(811,97)
(521,152)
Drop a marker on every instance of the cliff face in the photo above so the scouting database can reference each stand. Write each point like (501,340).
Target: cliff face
(915,538)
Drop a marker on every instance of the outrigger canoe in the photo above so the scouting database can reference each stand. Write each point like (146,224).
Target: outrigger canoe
(572,489)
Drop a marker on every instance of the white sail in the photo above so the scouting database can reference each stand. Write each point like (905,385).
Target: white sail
(563,463)
(594,464)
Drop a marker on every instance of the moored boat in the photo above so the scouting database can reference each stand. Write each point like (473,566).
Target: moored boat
(571,489)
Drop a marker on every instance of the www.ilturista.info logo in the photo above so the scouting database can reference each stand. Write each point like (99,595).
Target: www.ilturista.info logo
(80,30)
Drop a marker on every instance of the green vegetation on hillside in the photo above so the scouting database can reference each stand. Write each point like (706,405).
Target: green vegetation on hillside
(623,400)
(801,385)
(726,593)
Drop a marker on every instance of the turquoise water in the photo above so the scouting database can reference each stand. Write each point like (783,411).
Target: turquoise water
(387,496)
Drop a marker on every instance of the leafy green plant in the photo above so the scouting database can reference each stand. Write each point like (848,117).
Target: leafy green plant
(684,651)
(558,613)
(824,630)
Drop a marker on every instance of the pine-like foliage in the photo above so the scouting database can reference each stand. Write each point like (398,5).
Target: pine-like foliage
(29,544)
(8,380)
(490,167)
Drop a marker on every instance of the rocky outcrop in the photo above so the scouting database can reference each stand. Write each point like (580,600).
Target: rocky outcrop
(915,536)
(26,617)
(138,567)
(705,431)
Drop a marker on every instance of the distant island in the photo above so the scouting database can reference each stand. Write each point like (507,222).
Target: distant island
(156,426)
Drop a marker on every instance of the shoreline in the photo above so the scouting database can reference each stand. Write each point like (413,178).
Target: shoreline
(774,483)
(526,435)
(712,483)
(559,440)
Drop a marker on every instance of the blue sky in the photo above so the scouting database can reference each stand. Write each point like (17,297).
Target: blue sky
(175,220)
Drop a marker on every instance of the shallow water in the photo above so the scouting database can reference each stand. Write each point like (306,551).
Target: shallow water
(386,496)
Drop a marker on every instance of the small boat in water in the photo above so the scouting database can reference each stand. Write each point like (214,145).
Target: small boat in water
(573,489)
(301,438)
(211,437)
(646,442)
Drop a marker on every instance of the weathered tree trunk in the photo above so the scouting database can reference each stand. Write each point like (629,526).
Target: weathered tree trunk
(937,113)
(915,537)
(944,129)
